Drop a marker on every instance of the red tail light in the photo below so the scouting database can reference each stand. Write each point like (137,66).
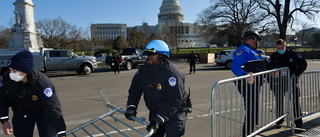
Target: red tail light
(220,57)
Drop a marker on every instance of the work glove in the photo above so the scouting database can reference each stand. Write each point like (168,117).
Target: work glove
(154,124)
(131,111)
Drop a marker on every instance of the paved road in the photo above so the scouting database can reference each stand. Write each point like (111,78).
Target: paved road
(81,101)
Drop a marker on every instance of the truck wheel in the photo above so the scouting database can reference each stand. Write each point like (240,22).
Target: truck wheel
(86,70)
(228,64)
(129,65)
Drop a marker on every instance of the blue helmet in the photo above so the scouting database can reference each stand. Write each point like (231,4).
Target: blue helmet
(157,47)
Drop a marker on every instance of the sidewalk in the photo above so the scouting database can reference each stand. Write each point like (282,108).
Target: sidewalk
(310,123)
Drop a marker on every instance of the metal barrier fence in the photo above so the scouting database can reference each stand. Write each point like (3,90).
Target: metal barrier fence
(240,108)
(306,95)
(100,127)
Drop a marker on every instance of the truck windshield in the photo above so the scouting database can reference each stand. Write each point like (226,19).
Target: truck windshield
(128,51)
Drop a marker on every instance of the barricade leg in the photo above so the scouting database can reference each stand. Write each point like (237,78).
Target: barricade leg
(250,94)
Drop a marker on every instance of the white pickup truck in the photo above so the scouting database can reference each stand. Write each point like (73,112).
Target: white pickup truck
(51,59)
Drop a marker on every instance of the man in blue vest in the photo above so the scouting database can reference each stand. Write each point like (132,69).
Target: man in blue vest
(247,61)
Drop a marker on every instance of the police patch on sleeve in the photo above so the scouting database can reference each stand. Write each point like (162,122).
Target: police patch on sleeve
(172,81)
(48,92)
(299,56)
(9,63)
(239,52)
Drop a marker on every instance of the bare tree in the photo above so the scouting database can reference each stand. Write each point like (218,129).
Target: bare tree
(231,18)
(316,39)
(4,37)
(107,43)
(137,39)
(153,36)
(119,43)
(171,33)
(280,10)
(304,36)
(57,33)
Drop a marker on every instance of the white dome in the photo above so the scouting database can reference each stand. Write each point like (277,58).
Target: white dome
(170,11)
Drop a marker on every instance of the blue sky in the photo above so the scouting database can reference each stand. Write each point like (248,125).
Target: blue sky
(84,12)
(131,12)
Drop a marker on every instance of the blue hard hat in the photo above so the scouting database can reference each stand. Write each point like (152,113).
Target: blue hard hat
(157,47)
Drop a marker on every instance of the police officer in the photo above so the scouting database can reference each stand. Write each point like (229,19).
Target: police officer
(116,60)
(33,99)
(162,85)
(248,57)
(192,59)
(297,65)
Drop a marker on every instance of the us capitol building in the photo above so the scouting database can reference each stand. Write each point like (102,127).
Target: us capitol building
(170,19)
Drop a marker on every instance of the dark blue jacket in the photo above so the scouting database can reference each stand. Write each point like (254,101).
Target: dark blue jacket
(290,59)
(39,98)
(249,58)
(192,58)
(162,88)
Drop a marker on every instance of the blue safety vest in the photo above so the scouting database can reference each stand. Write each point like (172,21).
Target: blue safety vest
(247,59)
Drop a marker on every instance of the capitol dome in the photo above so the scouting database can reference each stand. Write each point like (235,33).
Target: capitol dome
(170,12)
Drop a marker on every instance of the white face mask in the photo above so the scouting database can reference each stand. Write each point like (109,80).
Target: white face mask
(16,76)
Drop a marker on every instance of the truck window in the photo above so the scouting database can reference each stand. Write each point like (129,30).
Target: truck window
(63,54)
(140,53)
(128,51)
(54,54)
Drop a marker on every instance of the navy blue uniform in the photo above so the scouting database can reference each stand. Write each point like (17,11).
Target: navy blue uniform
(296,65)
(247,59)
(116,61)
(290,59)
(37,104)
(164,94)
(192,59)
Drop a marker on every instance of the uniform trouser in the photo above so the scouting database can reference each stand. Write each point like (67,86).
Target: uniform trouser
(279,89)
(192,67)
(250,94)
(175,127)
(23,125)
(116,68)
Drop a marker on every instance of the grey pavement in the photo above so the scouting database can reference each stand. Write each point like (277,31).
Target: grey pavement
(310,123)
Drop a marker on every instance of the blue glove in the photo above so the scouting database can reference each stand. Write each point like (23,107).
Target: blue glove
(131,111)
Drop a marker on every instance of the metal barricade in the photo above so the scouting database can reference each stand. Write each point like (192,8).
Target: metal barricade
(305,96)
(262,103)
(92,129)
